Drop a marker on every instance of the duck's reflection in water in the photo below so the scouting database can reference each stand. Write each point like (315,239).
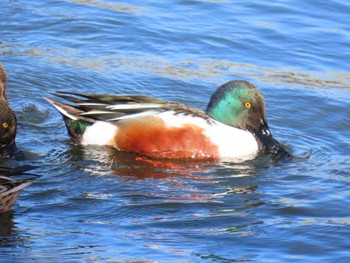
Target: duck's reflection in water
(95,159)
(186,180)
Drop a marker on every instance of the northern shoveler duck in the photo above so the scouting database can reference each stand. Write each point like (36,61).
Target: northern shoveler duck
(8,122)
(10,188)
(233,126)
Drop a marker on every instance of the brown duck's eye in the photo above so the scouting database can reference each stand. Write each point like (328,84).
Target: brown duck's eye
(247,105)
(5,125)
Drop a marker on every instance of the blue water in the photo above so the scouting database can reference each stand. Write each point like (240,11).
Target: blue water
(94,204)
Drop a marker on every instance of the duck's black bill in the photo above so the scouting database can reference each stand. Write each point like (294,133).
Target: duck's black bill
(271,146)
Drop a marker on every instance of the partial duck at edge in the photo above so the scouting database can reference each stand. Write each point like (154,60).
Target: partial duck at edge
(10,188)
(8,121)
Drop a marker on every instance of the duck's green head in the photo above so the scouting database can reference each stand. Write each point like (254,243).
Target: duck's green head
(240,104)
(237,103)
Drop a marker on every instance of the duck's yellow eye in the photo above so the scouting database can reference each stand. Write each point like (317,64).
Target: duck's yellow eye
(247,105)
(5,125)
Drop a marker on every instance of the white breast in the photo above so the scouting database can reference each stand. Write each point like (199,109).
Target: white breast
(232,142)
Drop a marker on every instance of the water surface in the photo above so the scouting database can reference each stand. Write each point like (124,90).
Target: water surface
(94,204)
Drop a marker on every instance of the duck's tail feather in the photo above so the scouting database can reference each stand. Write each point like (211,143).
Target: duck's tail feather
(9,171)
(10,191)
(12,181)
(75,123)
